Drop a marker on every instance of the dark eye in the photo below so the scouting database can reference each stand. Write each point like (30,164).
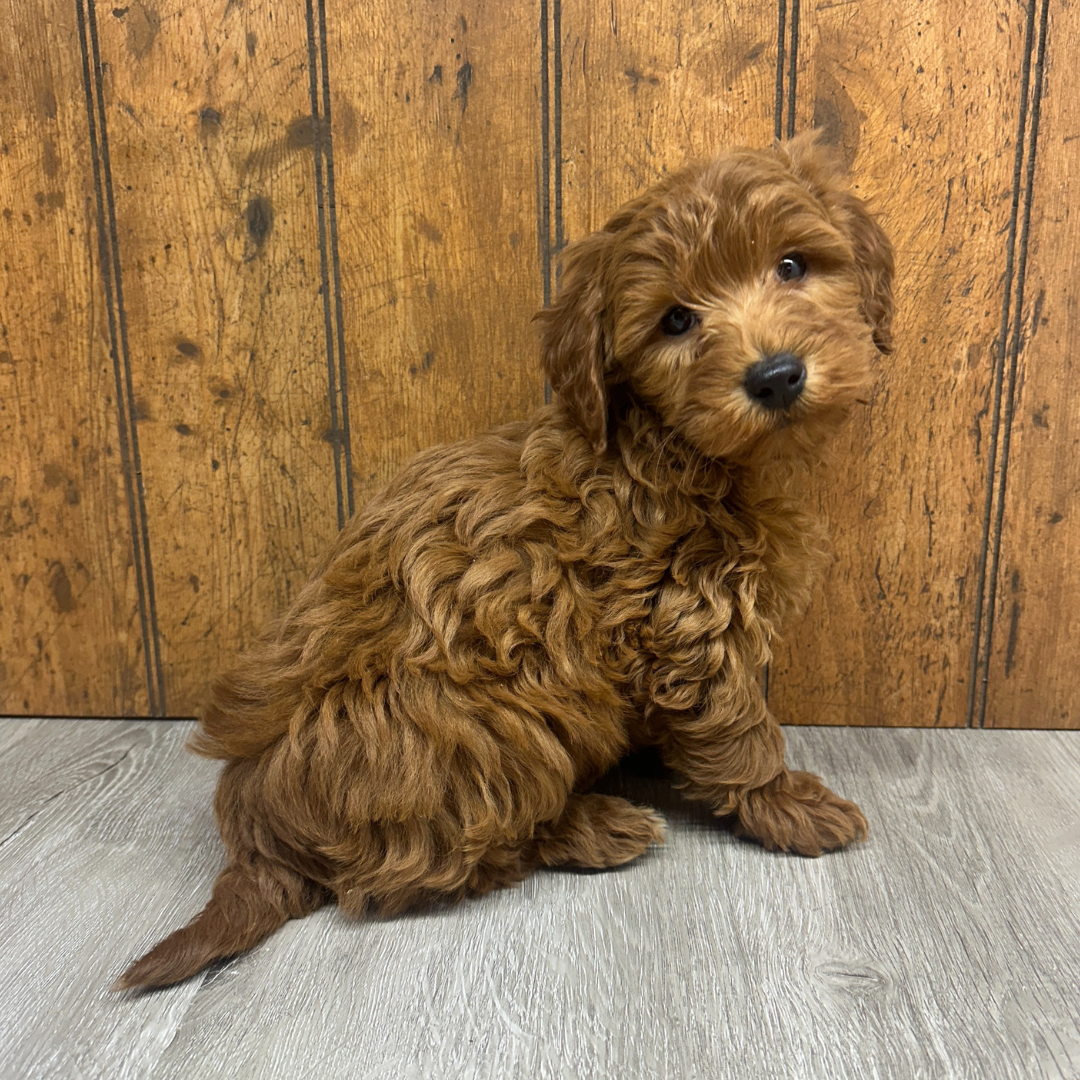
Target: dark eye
(677,321)
(791,267)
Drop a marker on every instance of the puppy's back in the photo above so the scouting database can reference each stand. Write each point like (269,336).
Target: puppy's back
(362,590)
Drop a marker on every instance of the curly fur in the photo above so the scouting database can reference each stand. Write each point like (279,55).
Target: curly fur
(515,612)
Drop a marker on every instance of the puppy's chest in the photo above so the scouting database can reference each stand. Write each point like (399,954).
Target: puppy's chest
(737,568)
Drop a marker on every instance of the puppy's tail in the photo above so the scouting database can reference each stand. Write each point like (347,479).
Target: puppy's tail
(248,904)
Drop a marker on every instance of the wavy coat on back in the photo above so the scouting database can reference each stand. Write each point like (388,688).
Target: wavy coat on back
(515,612)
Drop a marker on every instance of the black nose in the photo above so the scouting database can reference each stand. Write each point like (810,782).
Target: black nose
(776,381)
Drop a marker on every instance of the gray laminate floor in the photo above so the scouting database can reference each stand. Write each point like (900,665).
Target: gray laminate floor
(948,945)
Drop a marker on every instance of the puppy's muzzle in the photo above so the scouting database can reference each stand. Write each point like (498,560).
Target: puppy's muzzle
(777,381)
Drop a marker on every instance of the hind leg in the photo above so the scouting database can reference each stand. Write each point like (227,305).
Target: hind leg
(596,831)
(398,866)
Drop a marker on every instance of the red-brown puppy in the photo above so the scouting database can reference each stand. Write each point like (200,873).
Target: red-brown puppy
(512,615)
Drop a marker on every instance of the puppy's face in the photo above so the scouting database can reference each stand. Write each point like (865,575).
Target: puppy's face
(743,300)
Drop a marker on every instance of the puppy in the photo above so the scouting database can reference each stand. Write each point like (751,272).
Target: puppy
(514,613)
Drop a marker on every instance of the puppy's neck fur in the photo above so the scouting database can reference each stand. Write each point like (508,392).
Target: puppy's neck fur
(747,525)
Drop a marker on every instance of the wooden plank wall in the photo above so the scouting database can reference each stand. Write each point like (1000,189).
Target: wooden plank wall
(254,257)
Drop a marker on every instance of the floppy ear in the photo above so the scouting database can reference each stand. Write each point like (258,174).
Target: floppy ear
(574,348)
(873,263)
(820,169)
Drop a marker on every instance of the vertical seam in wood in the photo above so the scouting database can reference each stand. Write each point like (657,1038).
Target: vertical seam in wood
(780,129)
(335,259)
(793,59)
(556,72)
(778,110)
(324,261)
(109,257)
(983,624)
(543,223)
(1014,352)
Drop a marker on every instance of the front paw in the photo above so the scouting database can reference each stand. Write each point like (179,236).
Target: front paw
(797,812)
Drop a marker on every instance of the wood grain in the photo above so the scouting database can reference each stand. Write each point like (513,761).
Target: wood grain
(1032,672)
(947,945)
(646,88)
(70,638)
(923,107)
(436,132)
(90,811)
(302,304)
(210,132)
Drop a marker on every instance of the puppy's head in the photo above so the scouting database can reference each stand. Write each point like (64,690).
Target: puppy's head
(743,300)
